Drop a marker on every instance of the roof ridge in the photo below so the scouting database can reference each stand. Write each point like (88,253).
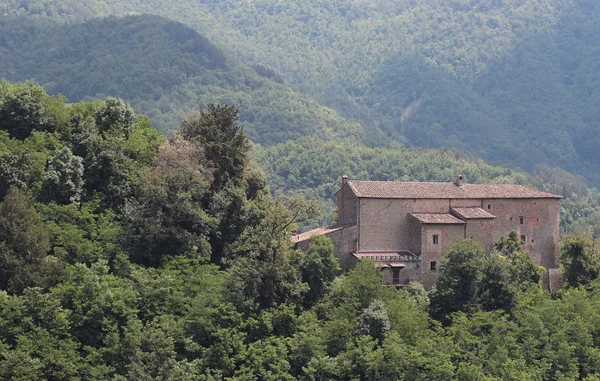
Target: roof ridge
(443,190)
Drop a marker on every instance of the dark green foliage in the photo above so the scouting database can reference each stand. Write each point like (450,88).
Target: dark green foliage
(579,261)
(514,82)
(459,278)
(164,68)
(166,217)
(319,267)
(24,246)
(471,280)
(125,289)
(63,180)
(226,146)
(22,109)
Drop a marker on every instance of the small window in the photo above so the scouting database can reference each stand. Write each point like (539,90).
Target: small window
(521,220)
(436,239)
(523,239)
(433,265)
(489,206)
(511,218)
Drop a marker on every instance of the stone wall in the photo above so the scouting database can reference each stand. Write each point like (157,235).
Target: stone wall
(539,228)
(410,273)
(431,252)
(347,205)
(385,223)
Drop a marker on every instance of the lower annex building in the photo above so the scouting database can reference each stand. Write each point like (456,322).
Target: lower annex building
(406,227)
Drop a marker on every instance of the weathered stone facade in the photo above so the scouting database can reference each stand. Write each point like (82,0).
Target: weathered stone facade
(407,227)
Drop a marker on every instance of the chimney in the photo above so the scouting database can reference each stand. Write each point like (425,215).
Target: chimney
(344,180)
(459,180)
(294,233)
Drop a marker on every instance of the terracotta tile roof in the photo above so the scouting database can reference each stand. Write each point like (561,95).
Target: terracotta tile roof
(318,231)
(471,213)
(437,218)
(403,189)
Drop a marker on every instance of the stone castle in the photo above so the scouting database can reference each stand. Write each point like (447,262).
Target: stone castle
(406,227)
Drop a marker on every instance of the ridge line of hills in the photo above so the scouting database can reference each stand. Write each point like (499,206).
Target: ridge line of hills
(512,82)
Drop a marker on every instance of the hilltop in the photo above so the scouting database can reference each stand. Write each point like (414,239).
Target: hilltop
(514,82)
(164,69)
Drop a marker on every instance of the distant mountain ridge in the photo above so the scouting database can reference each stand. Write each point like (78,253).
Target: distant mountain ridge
(163,68)
(512,81)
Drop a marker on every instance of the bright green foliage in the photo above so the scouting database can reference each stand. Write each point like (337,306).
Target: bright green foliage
(125,288)
(14,170)
(78,234)
(22,109)
(313,168)
(319,267)
(471,281)
(459,278)
(579,261)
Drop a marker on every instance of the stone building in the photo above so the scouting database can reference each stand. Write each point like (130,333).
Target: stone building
(406,227)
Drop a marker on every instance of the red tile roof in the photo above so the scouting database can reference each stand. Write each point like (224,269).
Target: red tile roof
(471,213)
(402,189)
(437,218)
(318,231)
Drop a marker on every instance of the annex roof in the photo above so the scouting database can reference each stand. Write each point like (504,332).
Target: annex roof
(437,218)
(471,213)
(318,231)
(432,190)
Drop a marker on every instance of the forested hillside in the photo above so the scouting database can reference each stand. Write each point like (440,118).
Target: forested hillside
(164,69)
(127,256)
(512,81)
(312,168)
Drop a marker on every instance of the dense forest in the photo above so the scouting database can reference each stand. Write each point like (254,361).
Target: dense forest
(145,221)
(124,255)
(514,82)
(164,69)
(312,168)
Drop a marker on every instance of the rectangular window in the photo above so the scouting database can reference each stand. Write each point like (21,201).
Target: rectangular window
(521,220)
(436,239)
(433,266)
(523,239)
(489,206)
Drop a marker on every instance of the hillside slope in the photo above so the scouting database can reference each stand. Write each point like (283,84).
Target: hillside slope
(164,69)
(512,81)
